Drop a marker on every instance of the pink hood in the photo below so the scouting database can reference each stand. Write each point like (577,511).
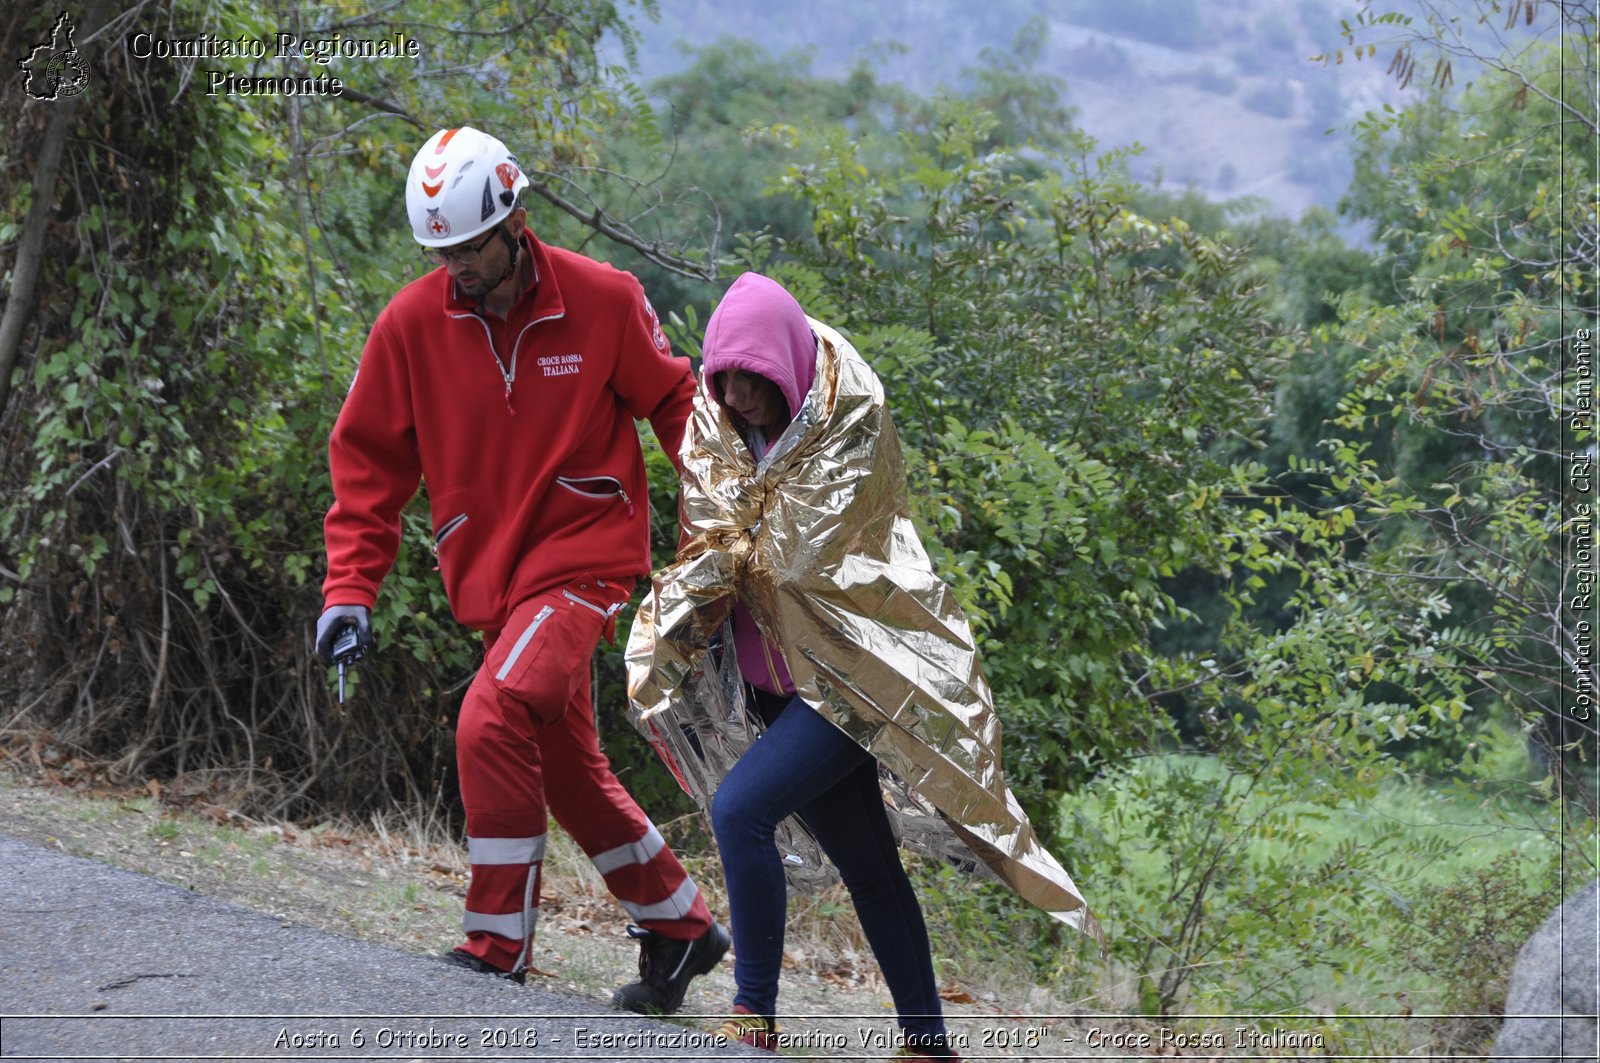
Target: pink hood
(758,327)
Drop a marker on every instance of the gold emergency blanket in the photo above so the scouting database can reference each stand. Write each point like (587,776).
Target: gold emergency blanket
(818,541)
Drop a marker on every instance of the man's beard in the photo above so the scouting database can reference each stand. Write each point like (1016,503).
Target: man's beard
(477,290)
(480,289)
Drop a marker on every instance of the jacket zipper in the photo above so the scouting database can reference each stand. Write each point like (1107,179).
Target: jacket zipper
(571,484)
(447,529)
(606,613)
(508,375)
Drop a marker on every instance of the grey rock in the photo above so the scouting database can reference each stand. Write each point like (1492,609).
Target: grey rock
(1551,1004)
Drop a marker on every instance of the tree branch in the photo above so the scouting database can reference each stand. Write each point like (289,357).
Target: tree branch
(605,226)
(597,219)
(379,104)
(30,250)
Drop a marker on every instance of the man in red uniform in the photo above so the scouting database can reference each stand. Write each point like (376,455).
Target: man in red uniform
(510,380)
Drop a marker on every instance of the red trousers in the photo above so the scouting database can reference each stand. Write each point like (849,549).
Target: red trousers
(526,742)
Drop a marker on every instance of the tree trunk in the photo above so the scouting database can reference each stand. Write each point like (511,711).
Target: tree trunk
(30,250)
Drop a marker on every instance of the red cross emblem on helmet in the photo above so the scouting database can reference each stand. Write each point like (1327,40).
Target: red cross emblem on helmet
(437,226)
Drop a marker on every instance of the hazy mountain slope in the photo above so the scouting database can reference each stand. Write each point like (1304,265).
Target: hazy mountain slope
(1221,93)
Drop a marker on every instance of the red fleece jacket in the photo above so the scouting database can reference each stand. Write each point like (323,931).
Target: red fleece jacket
(523,430)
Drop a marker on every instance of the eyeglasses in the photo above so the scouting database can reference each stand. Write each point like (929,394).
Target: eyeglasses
(466,255)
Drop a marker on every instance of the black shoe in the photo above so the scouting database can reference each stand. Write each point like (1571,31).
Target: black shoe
(665,967)
(463,958)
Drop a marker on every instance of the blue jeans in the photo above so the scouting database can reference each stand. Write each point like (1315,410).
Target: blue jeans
(802,763)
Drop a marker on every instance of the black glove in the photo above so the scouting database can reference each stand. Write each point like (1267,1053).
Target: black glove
(335,619)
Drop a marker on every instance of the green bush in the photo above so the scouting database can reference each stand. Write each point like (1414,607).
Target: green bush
(1463,937)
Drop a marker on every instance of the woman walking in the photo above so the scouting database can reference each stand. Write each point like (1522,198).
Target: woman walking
(848,655)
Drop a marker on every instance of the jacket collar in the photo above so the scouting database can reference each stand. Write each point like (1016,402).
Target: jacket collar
(540,299)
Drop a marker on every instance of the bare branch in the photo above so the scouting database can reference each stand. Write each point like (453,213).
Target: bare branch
(597,219)
(379,104)
(604,224)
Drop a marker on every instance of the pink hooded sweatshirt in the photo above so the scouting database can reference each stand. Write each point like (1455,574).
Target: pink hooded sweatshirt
(758,327)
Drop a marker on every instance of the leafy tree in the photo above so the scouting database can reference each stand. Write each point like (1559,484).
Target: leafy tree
(164,470)
(710,159)
(1059,367)
(1459,423)
(712,153)
(1072,379)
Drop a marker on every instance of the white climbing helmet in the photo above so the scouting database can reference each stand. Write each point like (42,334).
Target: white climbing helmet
(462,183)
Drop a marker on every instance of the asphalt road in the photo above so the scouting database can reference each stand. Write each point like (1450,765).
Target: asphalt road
(100,963)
